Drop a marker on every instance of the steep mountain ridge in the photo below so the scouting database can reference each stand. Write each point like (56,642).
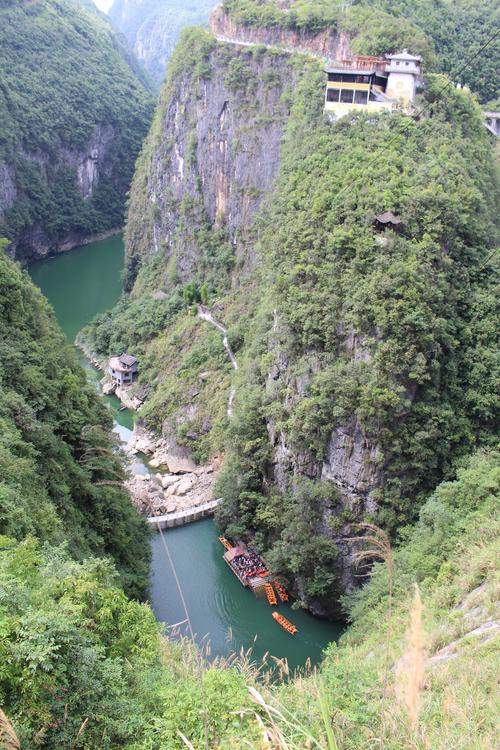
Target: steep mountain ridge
(74,112)
(360,380)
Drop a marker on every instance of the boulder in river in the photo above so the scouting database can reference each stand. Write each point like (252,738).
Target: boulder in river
(162,494)
(108,387)
(168,479)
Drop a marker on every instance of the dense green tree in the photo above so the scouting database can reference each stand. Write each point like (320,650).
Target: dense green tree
(82,666)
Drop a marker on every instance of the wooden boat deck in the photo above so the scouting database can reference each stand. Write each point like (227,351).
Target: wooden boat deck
(271,596)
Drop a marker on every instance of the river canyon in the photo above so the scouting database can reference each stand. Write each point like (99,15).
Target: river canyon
(79,285)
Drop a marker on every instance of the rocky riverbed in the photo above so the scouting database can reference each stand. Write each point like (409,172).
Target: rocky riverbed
(160,494)
(179,483)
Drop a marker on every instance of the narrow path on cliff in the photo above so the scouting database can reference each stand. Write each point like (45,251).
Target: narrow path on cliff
(205,314)
(277,47)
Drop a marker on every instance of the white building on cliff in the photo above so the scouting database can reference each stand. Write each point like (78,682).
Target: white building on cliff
(372,83)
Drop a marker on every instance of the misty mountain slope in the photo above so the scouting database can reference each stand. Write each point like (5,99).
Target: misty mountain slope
(152,27)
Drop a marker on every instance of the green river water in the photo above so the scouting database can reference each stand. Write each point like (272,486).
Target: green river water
(79,284)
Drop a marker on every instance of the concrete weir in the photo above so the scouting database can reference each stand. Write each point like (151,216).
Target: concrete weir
(182,517)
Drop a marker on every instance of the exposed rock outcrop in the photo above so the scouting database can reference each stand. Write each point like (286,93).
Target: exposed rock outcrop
(88,165)
(351,464)
(164,451)
(8,191)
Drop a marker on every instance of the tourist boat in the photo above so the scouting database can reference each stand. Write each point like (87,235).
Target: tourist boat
(246,564)
(285,624)
(281,591)
(225,543)
(271,596)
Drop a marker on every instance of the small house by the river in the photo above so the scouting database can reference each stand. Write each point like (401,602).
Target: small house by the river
(122,369)
(492,122)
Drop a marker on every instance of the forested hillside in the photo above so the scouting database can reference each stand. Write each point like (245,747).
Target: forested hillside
(152,27)
(74,108)
(358,432)
(83,666)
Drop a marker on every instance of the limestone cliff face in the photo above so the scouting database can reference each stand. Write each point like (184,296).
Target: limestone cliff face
(326,44)
(93,163)
(8,190)
(212,155)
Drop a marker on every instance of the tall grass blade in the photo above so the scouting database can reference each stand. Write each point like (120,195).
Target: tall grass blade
(8,737)
(185,740)
(325,715)
(410,671)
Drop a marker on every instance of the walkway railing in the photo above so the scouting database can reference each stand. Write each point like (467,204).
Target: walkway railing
(182,517)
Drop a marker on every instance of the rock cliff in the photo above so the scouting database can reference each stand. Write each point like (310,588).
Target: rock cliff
(74,111)
(212,154)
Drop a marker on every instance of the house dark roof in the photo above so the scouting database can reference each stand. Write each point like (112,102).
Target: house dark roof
(127,359)
(122,363)
(388,218)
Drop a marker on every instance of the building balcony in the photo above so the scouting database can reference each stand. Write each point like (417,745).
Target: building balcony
(348,85)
